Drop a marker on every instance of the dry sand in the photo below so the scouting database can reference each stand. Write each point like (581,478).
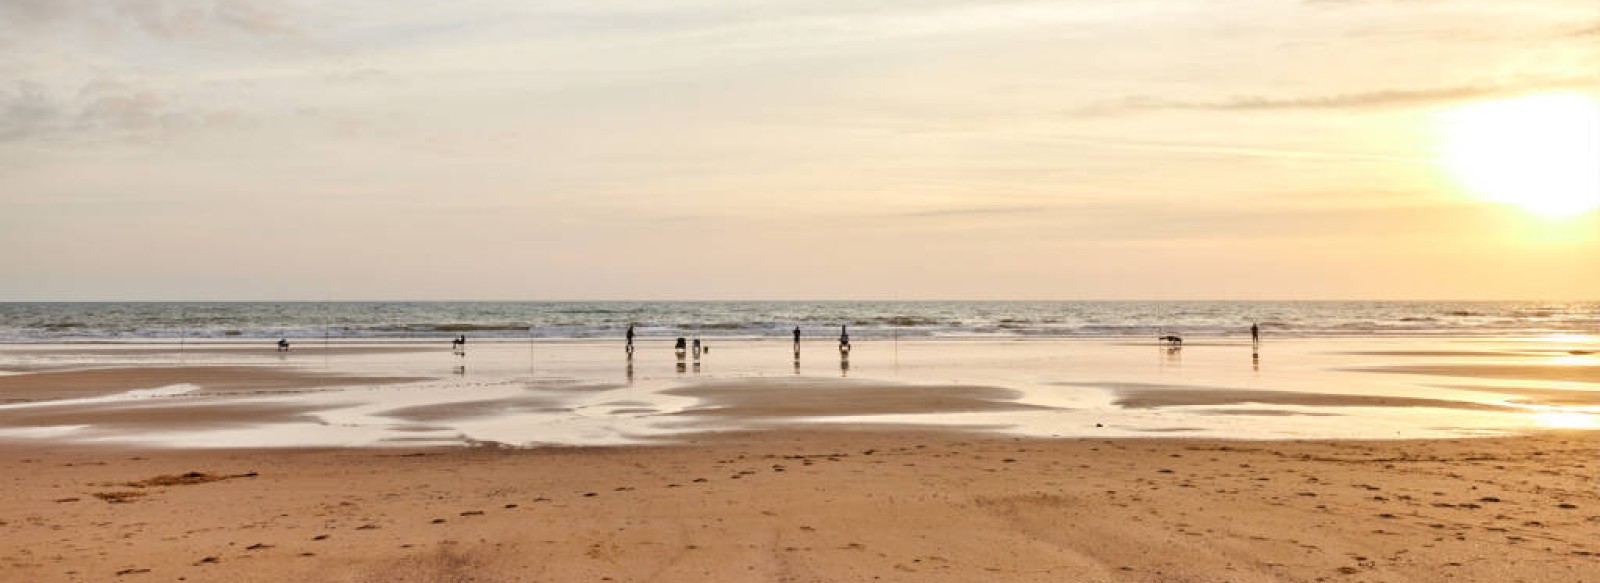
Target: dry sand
(844,505)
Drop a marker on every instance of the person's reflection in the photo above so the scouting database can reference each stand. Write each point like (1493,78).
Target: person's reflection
(682,367)
(1255,361)
(797,364)
(844,367)
(629,369)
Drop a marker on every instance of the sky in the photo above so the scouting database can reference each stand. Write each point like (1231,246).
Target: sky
(816,149)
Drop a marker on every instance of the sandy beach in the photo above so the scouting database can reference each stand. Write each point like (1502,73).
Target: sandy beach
(852,504)
(952,461)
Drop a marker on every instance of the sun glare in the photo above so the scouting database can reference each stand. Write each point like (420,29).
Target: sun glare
(1541,152)
(1566,420)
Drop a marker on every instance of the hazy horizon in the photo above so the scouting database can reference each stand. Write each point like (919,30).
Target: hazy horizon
(689,150)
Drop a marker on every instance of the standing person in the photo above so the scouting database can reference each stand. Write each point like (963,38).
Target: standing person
(844,339)
(697,348)
(680,347)
(630,338)
(1255,334)
(797,340)
(283,345)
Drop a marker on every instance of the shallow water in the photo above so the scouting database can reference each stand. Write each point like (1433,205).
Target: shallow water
(587,392)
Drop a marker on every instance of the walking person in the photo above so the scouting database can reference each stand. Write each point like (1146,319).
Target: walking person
(630,339)
(1255,334)
(844,340)
(797,341)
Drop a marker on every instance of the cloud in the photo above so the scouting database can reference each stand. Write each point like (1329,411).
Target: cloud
(978,211)
(169,19)
(181,18)
(26,109)
(1380,99)
(104,107)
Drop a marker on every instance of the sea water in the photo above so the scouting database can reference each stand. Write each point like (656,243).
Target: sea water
(160,321)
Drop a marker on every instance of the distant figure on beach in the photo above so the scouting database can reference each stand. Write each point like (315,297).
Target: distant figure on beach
(1172,340)
(1255,333)
(797,340)
(459,345)
(697,349)
(283,345)
(844,340)
(680,347)
(630,339)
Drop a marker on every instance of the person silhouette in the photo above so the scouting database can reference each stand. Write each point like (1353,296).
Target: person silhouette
(680,347)
(283,345)
(797,340)
(1255,333)
(630,339)
(844,339)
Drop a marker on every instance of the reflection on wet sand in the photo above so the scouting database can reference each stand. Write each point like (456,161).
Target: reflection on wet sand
(1045,388)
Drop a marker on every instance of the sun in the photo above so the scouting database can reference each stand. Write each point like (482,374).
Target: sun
(1540,152)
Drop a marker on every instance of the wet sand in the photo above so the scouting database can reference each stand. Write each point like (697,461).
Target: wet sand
(767,398)
(1141,396)
(589,393)
(853,504)
(1587,373)
(212,380)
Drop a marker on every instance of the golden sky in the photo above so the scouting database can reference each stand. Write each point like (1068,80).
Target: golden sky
(1229,149)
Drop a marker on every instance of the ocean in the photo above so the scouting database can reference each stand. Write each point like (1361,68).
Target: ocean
(253,321)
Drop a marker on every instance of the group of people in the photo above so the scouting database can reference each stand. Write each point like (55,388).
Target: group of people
(682,345)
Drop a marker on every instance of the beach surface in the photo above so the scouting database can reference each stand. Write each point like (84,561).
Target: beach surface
(848,504)
(1400,460)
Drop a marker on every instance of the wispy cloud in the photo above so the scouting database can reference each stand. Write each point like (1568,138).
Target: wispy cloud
(104,107)
(171,19)
(1385,98)
(971,211)
(26,110)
